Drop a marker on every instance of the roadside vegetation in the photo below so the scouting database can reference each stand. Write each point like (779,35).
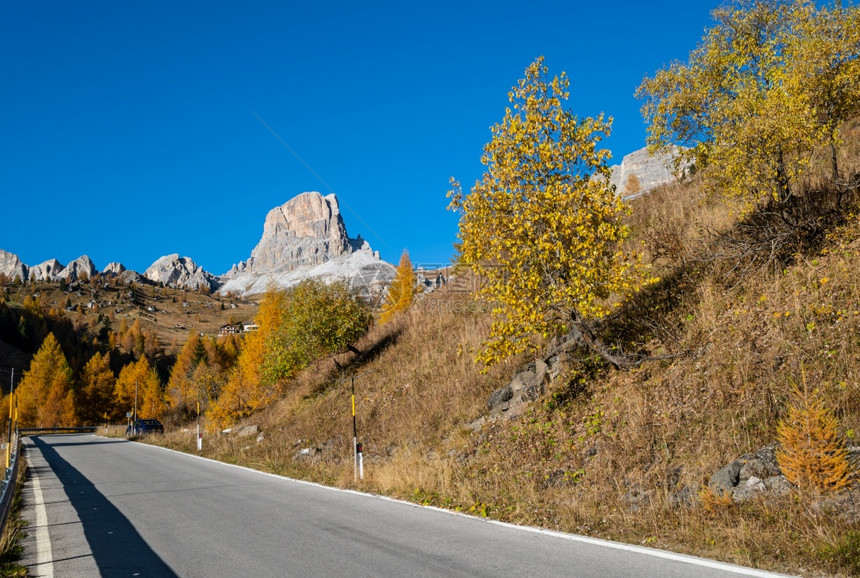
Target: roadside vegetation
(14,530)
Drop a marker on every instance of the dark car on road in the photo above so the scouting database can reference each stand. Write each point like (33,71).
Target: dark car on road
(142,427)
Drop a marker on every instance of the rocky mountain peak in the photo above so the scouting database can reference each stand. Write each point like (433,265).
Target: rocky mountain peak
(306,237)
(12,267)
(175,271)
(80,267)
(305,231)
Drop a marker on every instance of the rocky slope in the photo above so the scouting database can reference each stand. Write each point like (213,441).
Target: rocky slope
(640,172)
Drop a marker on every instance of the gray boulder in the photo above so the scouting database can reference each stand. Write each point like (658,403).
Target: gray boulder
(751,475)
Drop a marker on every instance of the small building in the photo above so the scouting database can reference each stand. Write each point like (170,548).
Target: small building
(229,330)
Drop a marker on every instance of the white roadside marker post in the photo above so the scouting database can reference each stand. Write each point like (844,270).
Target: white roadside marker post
(199,435)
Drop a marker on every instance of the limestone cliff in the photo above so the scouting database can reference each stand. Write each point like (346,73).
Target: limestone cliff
(305,231)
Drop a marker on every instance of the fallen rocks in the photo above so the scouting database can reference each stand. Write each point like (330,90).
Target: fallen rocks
(751,475)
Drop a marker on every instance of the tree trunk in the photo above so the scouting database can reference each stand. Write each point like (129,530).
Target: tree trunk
(594,343)
(834,166)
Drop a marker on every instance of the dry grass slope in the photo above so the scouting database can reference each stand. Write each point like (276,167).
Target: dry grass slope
(621,455)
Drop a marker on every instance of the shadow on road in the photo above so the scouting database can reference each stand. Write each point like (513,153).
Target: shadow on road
(118,549)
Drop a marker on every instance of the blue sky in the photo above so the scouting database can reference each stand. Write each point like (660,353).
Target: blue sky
(135,130)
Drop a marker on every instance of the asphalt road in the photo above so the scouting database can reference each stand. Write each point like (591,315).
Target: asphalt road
(109,507)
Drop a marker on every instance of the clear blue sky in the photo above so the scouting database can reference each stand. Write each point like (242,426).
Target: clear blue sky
(131,130)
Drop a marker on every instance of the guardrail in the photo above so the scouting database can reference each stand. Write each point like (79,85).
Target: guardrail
(40,430)
(8,484)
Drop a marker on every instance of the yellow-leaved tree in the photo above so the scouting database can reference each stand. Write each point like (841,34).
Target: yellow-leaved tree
(45,397)
(96,389)
(402,290)
(543,228)
(770,82)
(296,326)
(825,62)
(812,456)
(245,390)
(182,391)
(138,385)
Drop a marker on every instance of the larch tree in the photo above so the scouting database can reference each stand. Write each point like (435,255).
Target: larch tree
(812,455)
(181,389)
(402,290)
(95,394)
(138,384)
(245,390)
(543,228)
(45,396)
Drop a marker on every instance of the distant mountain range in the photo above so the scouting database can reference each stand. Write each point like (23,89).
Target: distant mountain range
(303,238)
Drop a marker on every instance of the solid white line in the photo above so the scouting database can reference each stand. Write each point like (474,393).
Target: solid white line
(44,556)
(665,554)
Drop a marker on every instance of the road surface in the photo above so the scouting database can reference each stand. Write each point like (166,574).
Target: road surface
(109,507)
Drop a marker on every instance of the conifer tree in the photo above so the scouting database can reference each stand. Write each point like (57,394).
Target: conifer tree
(181,389)
(139,376)
(96,391)
(812,456)
(402,291)
(45,397)
(245,390)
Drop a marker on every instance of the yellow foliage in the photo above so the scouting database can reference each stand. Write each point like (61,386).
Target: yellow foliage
(45,391)
(812,456)
(770,82)
(96,391)
(543,228)
(138,383)
(402,290)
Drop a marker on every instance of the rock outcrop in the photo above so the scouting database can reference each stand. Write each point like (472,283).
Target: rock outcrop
(114,269)
(306,231)
(118,271)
(306,238)
(46,271)
(182,272)
(640,171)
(77,269)
(751,475)
(12,267)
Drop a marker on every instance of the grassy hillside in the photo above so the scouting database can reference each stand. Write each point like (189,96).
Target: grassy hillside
(746,311)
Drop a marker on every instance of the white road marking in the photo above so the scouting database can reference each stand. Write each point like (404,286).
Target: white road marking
(644,550)
(44,556)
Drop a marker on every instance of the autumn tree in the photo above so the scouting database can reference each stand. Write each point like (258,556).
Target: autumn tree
(96,390)
(543,228)
(245,390)
(825,61)
(45,397)
(138,384)
(402,290)
(181,390)
(632,186)
(770,81)
(318,319)
(296,326)
(812,456)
